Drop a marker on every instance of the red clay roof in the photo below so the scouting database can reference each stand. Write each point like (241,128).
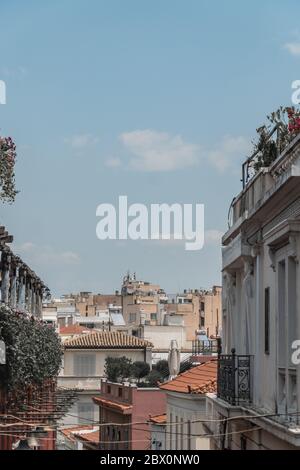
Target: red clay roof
(158,419)
(73,330)
(106,340)
(199,379)
(125,409)
(70,432)
(93,437)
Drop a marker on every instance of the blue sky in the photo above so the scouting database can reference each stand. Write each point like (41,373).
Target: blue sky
(155,100)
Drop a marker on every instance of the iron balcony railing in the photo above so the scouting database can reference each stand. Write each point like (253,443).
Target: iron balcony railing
(210,346)
(234,383)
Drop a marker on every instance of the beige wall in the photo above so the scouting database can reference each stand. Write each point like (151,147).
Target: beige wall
(212,311)
(140,305)
(161,336)
(190,313)
(101,355)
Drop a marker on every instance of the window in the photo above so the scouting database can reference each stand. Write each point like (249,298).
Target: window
(243,442)
(202,306)
(108,389)
(84,365)
(267,320)
(120,392)
(132,317)
(85,413)
(153,316)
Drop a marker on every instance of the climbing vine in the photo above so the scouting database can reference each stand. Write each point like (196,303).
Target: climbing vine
(33,350)
(8,154)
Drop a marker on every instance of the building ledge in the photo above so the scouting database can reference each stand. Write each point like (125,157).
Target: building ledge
(122,408)
(287,432)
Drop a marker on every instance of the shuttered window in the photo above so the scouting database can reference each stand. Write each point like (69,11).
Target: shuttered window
(84,365)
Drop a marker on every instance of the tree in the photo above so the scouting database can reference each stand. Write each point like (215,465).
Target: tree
(140,369)
(153,378)
(162,367)
(117,368)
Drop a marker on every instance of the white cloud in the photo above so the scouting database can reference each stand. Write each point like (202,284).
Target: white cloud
(113,162)
(293,48)
(229,152)
(158,151)
(44,255)
(80,141)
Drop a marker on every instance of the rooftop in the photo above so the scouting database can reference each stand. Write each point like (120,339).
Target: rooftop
(89,436)
(70,432)
(158,419)
(197,380)
(73,330)
(107,340)
(123,408)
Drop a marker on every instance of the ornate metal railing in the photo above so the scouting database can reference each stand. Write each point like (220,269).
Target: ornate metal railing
(235,378)
(210,346)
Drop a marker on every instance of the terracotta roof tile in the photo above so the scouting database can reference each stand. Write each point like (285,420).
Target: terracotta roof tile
(106,340)
(199,379)
(158,419)
(73,330)
(93,436)
(113,404)
(69,432)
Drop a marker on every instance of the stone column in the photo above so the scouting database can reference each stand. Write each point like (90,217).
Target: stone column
(5,280)
(28,295)
(13,289)
(33,299)
(21,303)
(39,302)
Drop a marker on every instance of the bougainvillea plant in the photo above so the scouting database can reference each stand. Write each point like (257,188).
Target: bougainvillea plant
(7,174)
(33,350)
(287,123)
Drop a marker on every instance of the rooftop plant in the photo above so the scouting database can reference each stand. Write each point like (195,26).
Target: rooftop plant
(286,121)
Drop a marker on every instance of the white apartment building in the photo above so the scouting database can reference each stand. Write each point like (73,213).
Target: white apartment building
(258,383)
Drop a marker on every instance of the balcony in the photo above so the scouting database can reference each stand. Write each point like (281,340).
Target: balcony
(80,383)
(235,378)
(208,347)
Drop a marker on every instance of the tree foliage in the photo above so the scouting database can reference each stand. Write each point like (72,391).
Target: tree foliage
(140,369)
(117,369)
(33,349)
(153,378)
(162,367)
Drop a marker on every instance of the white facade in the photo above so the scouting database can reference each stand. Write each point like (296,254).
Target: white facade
(261,308)
(183,430)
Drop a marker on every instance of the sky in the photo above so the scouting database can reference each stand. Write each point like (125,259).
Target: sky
(155,100)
